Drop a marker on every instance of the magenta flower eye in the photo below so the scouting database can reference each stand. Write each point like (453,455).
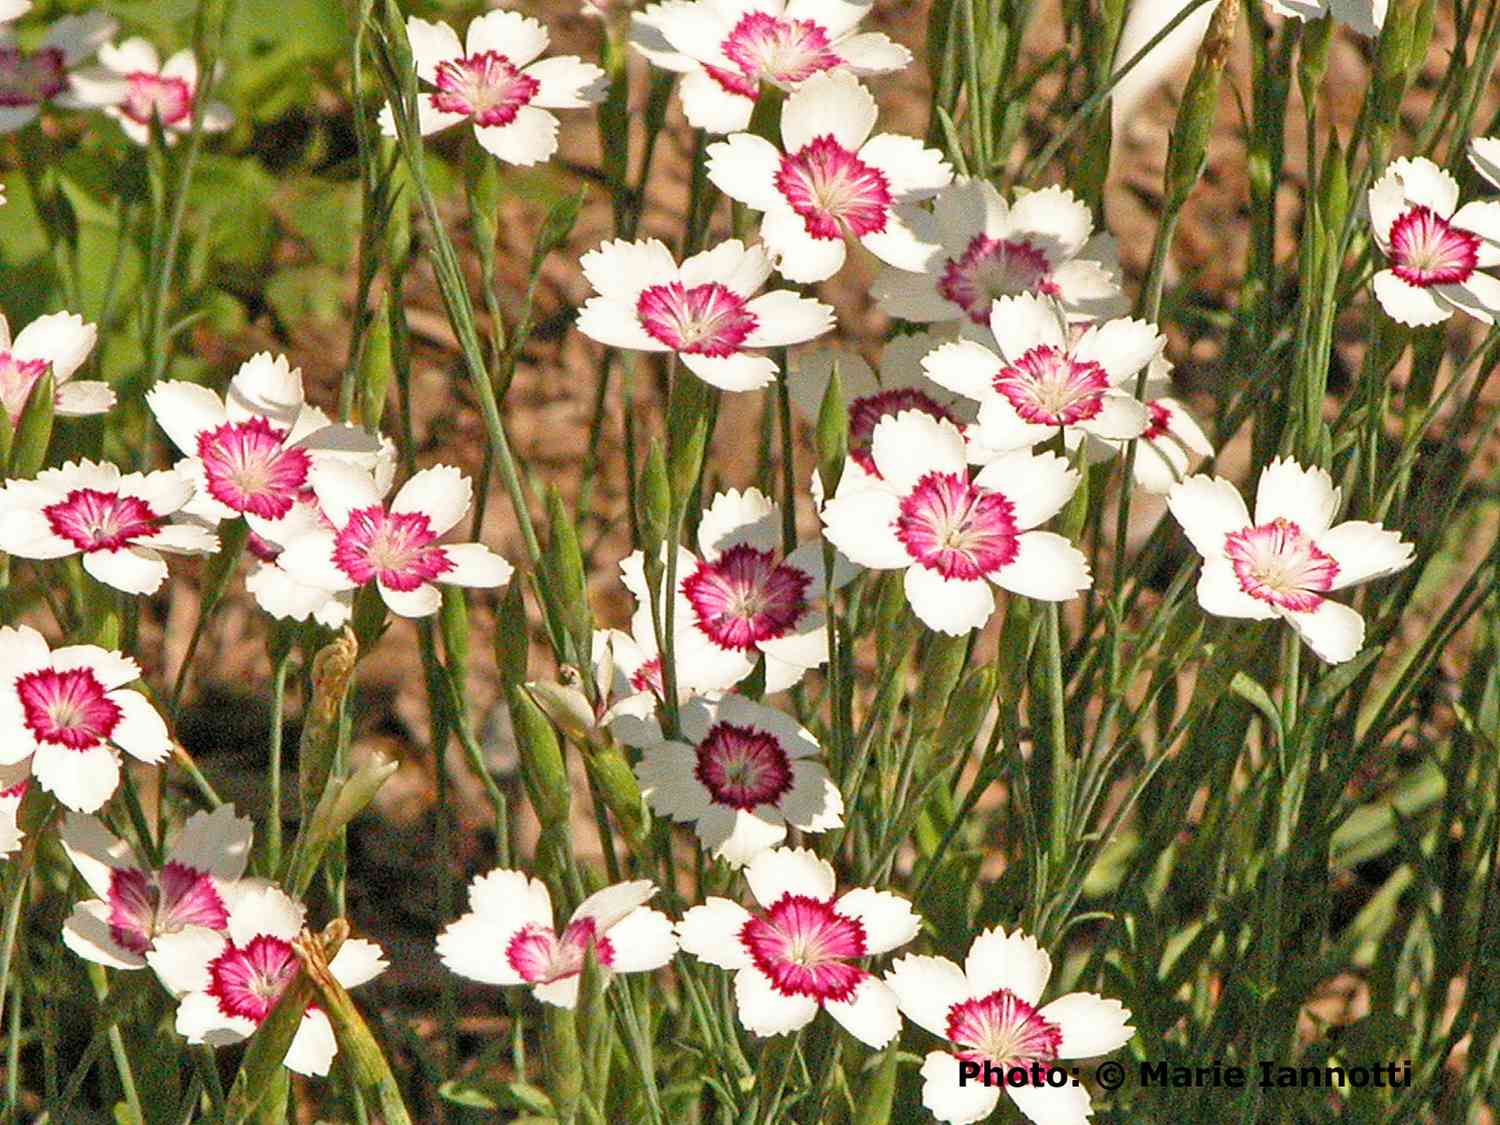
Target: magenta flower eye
(835,192)
(708,320)
(487,87)
(990,268)
(956,528)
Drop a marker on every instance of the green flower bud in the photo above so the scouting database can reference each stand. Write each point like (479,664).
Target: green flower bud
(543,769)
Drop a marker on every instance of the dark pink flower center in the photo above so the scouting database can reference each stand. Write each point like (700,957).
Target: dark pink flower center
(1004,1030)
(17,791)
(67,707)
(249,467)
(1279,564)
(709,319)
(17,377)
(487,87)
(834,191)
(539,956)
(31,78)
(396,549)
(247,981)
(865,414)
(150,95)
(745,597)
(804,946)
(101,521)
(1160,425)
(1427,249)
(142,907)
(648,677)
(1048,387)
(995,267)
(743,767)
(953,526)
(767,48)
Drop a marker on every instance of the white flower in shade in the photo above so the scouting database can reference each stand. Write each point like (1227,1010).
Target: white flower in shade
(1042,243)
(395,546)
(135,87)
(117,522)
(227,983)
(13,9)
(743,600)
(1285,561)
(741,772)
(900,385)
(1364,16)
(1484,155)
(952,535)
(990,1012)
(509,936)
(59,343)
(832,181)
(29,79)
(725,51)
(801,951)
(496,80)
(1171,442)
(1047,378)
(68,711)
(137,904)
(704,310)
(14,781)
(249,453)
(627,670)
(1434,248)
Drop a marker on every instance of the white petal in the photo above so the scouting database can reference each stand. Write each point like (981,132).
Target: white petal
(888,919)
(735,518)
(1014,961)
(615,325)
(765,1011)
(669,784)
(87,933)
(949,605)
(141,731)
(519,38)
(1209,509)
(1479,296)
(871,1015)
(872,53)
(62,339)
(927,988)
(217,842)
(1055,218)
(739,268)
(421,602)
(475,565)
(530,138)
(711,933)
(1122,347)
(183,539)
(739,835)
(1026,321)
(1333,631)
(619,270)
(912,444)
(1427,184)
(964,367)
(357,962)
(797,255)
(474,947)
(559,993)
(181,960)
(81,398)
(608,906)
(1047,567)
(1090,1024)
(185,410)
(742,372)
(510,898)
(308,559)
(785,318)
(111,669)
(829,103)
(1306,496)
(1036,484)
(643,940)
(200,1020)
(257,908)
(967,208)
(266,386)
(80,779)
(1053,1105)
(94,850)
(1120,418)
(566,82)
(1363,16)
(1364,551)
(342,488)
(1482,216)
(1088,291)
(789,871)
(743,167)
(912,170)
(313,1047)
(1220,593)
(912,296)
(431,43)
(862,524)
(952,1101)
(441,493)
(1484,155)
(1387,202)
(1406,303)
(710,107)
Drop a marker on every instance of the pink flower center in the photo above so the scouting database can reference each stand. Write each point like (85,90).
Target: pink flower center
(101,521)
(1427,249)
(247,981)
(865,414)
(17,791)
(1048,387)
(992,268)
(540,957)
(834,191)
(804,946)
(743,767)
(953,526)
(396,549)
(142,906)
(17,377)
(150,95)
(250,469)
(1004,1030)
(648,677)
(709,319)
(67,707)
(28,79)
(487,87)
(1160,425)
(746,597)
(1277,563)
(782,52)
